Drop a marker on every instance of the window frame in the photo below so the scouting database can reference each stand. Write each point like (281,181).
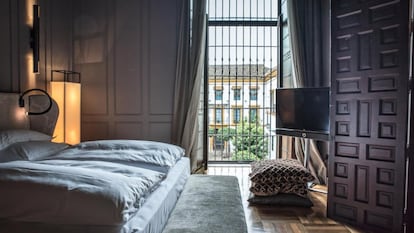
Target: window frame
(218,95)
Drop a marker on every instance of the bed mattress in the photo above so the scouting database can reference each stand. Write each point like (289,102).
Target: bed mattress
(114,186)
(154,214)
(151,217)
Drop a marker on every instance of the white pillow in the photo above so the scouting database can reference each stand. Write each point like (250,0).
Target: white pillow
(8,137)
(32,150)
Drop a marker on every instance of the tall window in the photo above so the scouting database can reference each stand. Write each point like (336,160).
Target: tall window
(236,94)
(242,52)
(285,70)
(273,101)
(219,95)
(285,53)
(236,115)
(219,115)
(253,94)
(253,115)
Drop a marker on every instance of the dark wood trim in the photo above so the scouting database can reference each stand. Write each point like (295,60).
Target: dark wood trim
(235,23)
(410,194)
(410,151)
(279,139)
(205,101)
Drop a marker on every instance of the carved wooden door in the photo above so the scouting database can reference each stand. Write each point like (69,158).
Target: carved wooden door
(369,99)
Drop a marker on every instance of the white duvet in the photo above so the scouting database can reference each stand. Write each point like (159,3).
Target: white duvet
(93,183)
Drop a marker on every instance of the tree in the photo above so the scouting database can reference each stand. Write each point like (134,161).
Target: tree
(224,134)
(247,139)
(250,143)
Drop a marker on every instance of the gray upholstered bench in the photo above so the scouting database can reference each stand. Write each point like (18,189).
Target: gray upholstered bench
(208,204)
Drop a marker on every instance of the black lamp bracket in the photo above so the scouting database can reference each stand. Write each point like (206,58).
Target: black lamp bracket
(21,101)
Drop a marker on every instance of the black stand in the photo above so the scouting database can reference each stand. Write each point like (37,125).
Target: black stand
(306,135)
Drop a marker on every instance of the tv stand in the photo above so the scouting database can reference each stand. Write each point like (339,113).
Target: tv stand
(317,135)
(307,136)
(306,154)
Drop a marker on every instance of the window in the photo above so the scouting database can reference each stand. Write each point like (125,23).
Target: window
(242,57)
(237,94)
(219,95)
(253,115)
(253,94)
(236,115)
(219,115)
(273,101)
(218,143)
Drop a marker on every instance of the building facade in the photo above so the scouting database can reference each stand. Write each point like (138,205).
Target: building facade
(240,96)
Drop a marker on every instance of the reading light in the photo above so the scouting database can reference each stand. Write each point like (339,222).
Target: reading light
(66,91)
(21,101)
(34,38)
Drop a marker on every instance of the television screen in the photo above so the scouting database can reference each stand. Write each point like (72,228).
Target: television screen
(303,109)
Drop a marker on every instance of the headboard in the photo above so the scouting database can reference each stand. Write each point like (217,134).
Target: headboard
(14,117)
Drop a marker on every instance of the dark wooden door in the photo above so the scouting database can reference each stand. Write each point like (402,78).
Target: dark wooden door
(369,97)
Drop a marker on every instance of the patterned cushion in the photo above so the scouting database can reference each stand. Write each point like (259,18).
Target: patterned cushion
(279,171)
(274,188)
(281,199)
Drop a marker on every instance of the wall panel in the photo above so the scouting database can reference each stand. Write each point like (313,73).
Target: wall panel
(5,48)
(126,53)
(128,58)
(128,130)
(94,130)
(163,33)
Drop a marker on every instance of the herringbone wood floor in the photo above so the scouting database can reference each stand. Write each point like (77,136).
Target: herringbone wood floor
(273,219)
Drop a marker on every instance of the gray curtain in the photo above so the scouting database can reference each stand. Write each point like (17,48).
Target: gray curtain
(188,82)
(305,29)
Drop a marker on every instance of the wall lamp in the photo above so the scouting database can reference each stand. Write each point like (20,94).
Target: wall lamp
(34,38)
(21,101)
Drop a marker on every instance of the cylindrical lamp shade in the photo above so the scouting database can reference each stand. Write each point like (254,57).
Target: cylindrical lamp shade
(68,97)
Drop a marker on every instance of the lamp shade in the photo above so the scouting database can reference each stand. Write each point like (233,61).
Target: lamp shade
(68,97)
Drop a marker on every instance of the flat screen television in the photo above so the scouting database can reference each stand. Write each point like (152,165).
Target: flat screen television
(302,111)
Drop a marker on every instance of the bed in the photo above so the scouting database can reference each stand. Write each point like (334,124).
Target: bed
(105,186)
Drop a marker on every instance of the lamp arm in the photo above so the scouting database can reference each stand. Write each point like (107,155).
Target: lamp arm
(21,101)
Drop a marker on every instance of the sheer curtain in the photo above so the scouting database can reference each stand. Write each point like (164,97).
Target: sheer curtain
(189,80)
(305,29)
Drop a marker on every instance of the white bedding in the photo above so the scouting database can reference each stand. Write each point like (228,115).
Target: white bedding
(153,215)
(148,154)
(150,218)
(93,183)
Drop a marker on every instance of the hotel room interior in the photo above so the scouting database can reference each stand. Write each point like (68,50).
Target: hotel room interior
(138,92)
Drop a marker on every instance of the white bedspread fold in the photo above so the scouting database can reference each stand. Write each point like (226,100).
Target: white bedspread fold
(148,154)
(101,183)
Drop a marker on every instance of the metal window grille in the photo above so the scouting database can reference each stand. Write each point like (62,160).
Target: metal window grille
(241,55)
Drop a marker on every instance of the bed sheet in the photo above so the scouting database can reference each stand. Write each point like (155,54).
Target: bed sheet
(153,215)
(151,218)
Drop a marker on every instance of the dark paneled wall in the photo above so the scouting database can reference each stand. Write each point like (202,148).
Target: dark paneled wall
(16,60)
(6,80)
(125,51)
(13,47)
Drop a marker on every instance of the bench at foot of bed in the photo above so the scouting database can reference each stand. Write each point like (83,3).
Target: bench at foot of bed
(208,204)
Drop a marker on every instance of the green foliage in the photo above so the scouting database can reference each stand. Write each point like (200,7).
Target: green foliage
(244,156)
(248,140)
(222,134)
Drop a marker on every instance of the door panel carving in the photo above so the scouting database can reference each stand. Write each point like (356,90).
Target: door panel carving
(368,113)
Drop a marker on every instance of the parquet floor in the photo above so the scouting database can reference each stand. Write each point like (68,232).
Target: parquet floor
(273,219)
